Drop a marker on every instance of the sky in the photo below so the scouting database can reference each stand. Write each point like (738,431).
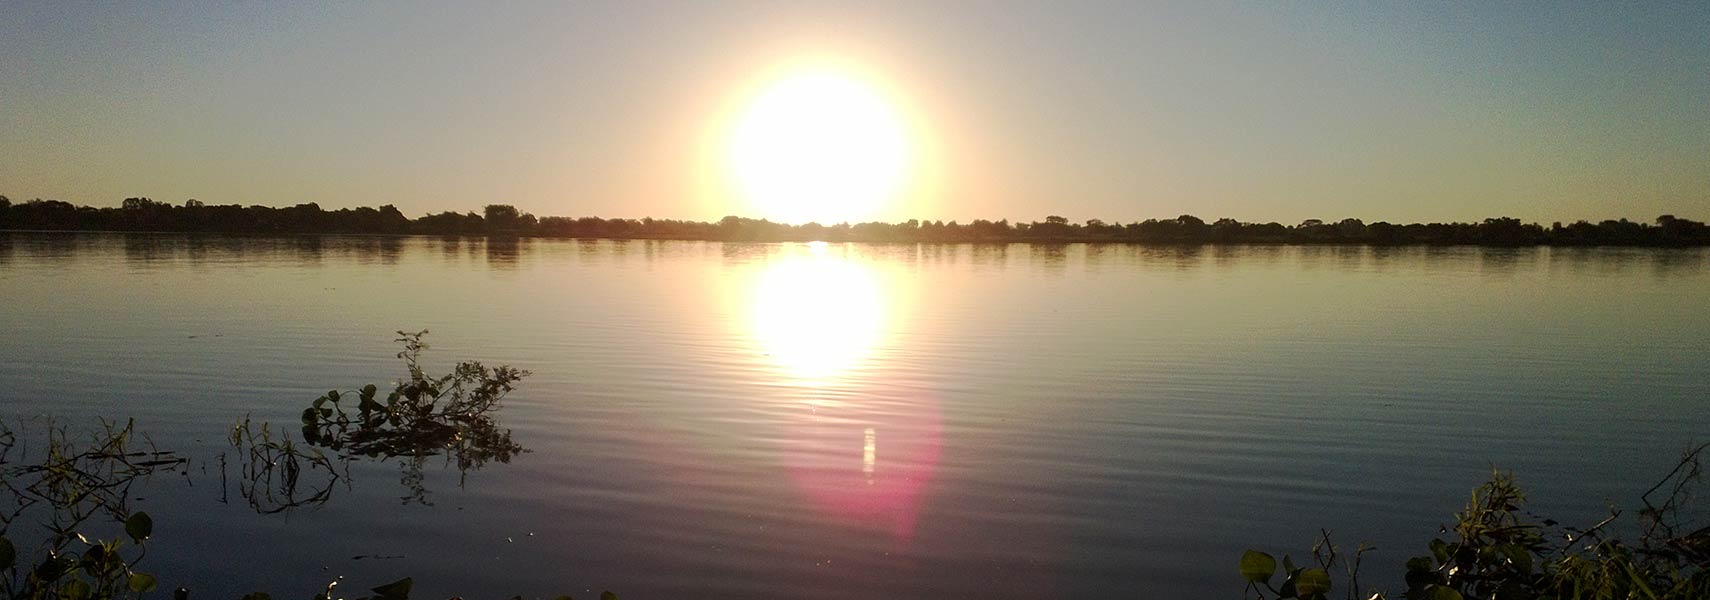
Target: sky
(1119,111)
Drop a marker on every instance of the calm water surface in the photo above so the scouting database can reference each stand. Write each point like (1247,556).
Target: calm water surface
(861,421)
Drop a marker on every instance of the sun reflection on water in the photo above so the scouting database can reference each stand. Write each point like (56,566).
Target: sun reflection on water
(817,314)
(826,322)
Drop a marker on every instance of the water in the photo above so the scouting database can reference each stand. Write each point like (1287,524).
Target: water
(859,421)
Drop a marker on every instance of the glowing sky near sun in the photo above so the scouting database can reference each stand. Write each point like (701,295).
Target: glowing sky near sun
(1120,111)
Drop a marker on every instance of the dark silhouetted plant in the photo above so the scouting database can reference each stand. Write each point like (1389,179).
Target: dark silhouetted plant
(275,474)
(452,415)
(1495,551)
(79,490)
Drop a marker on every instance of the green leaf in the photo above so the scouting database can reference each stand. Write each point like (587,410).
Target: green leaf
(563,598)
(368,392)
(1519,556)
(53,568)
(333,395)
(142,583)
(1312,582)
(8,554)
(95,560)
(139,526)
(1443,592)
(608,596)
(1420,564)
(1257,567)
(397,590)
(1440,549)
(75,589)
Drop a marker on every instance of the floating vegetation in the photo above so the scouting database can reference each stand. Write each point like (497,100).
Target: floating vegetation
(451,415)
(76,488)
(275,474)
(79,491)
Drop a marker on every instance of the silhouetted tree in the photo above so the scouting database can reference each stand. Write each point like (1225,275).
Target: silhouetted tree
(141,213)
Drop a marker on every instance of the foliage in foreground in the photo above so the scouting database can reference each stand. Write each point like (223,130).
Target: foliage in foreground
(91,539)
(1495,551)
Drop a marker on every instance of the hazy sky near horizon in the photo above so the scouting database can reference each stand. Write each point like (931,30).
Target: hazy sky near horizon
(1121,111)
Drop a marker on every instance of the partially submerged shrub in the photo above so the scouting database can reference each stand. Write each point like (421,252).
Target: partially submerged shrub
(451,414)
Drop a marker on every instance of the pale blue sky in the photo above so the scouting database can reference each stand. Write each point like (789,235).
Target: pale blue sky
(1121,111)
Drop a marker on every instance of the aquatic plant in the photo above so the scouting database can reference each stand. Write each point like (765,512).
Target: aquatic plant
(91,542)
(1495,551)
(79,489)
(275,474)
(452,415)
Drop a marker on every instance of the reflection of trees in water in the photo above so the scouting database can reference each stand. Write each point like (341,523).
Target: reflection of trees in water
(1049,258)
(1672,262)
(502,251)
(451,415)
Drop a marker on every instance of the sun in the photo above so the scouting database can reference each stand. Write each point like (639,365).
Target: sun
(819,144)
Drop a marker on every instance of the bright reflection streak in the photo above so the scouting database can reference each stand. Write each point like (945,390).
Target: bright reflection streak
(817,315)
(870,454)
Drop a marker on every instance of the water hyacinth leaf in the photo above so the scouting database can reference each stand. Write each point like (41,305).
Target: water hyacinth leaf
(95,559)
(142,583)
(1288,564)
(75,589)
(53,568)
(139,526)
(1443,592)
(608,596)
(1312,582)
(1519,556)
(1257,567)
(563,598)
(1440,549)
(8,554)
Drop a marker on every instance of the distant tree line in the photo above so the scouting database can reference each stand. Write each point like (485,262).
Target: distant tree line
(144,214)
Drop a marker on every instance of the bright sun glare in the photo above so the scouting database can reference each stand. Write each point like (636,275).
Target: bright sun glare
(819,145)
(817,314)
